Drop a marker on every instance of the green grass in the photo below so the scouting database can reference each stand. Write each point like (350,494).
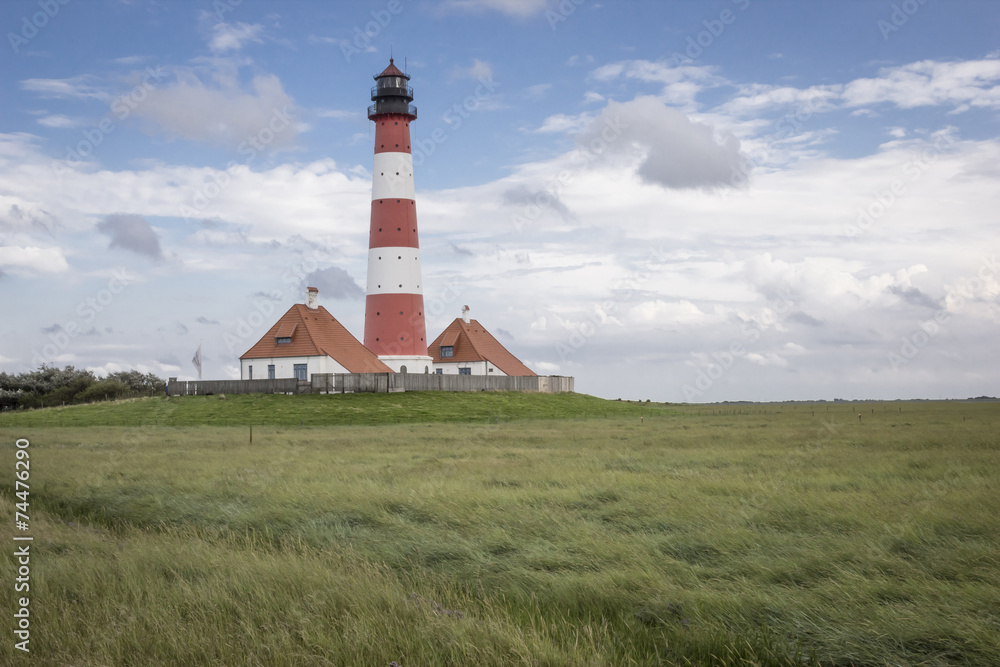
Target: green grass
(324,410)
(756,535)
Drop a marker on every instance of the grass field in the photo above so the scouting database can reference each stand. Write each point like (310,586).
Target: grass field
(539,534)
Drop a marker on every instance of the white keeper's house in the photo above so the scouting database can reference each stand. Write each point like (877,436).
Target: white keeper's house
(465,347)
(305,340)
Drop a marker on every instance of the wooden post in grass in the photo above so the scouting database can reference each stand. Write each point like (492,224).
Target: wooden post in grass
(251,434)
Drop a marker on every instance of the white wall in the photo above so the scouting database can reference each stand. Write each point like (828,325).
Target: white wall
(478,367)
(284,367)
(414,364)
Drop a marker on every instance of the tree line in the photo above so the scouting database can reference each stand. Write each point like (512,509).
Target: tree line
(50,386)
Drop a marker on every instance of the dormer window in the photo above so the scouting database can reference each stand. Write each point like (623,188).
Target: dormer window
(447,351)
(283,336)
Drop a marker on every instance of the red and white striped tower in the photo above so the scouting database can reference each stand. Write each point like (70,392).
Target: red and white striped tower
(394,307)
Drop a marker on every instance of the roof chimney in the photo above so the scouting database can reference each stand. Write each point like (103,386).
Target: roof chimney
(312,294)
(465,314)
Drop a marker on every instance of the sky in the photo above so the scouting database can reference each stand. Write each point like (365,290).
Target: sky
(676,201)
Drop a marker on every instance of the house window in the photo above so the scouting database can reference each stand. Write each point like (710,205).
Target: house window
(447,351)
(249,372)
(300,372)
(490,370)
(465,371)
(439,371)
(270,371)
(283,340)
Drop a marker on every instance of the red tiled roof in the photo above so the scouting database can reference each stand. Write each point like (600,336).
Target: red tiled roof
(316,333)
(472,342)
(391,70)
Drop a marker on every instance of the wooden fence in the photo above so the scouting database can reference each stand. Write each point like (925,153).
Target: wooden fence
(341,383)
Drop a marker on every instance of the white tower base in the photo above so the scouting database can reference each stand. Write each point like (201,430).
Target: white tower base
(412,364)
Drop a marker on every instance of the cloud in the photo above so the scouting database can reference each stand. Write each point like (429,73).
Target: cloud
(930,83)
(524,196)
(77,87)
(221,112)
(805,318)
(538,90)
(914,297)
(562,123)
(964,85)
(24,215)
(229,37)
(458,250)
(59,121)
(204,320)
(478,70)
(678,153)
(32,260)
(338,114)
(681,82)
(519,8)
(132,233)
(335,283)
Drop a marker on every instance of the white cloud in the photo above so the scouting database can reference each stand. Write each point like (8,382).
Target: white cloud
(77,87)
(929,83)
(964,85)
(478,70)
(229,37)
(681,83)
(519,8)
(59,121)
(32,260)
(562,123)
(672,313)
(338,114)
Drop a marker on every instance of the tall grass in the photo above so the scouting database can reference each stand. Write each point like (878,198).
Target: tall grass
(705,536)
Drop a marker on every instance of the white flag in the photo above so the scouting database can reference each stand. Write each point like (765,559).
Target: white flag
(197,360)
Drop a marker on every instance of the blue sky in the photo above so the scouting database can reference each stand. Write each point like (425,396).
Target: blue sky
(694,201)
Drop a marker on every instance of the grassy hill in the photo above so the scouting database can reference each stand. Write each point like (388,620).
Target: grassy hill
(329,410)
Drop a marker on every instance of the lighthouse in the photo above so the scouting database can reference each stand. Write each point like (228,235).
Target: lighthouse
(394,305)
